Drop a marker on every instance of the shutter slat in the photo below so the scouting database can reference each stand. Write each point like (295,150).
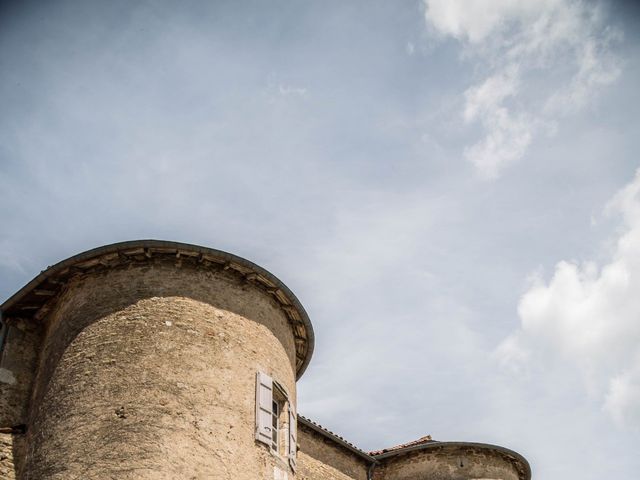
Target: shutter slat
(264,402)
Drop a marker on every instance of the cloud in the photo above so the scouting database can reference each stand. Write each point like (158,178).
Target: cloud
(513,42)
(508,136)
(410,48)
(587,315)
(287,90)
(596,68)
(475,20)
(506,141)
(622,401)
(482,99)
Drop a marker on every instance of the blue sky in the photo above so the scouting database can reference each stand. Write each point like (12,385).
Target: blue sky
(449,187)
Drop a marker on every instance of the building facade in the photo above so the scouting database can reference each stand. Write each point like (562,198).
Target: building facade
(161,360)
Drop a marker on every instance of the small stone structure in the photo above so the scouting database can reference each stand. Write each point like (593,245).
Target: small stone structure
(161,360)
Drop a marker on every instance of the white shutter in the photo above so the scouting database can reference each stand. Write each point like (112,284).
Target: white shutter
(293,437)
(264,405)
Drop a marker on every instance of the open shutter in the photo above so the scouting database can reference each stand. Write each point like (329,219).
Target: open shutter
(293,437)
(264,404)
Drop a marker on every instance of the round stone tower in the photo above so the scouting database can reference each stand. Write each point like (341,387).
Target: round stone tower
(142,360)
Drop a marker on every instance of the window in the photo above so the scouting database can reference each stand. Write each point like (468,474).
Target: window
(275,418)
(275,425)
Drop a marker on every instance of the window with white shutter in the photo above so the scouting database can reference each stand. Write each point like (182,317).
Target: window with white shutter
(293,437)
(279,419)
(272,424)
(264,408)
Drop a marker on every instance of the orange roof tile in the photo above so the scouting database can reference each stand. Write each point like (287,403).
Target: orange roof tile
(420,441)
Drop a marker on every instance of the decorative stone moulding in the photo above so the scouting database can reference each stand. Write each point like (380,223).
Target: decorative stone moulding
(39,296)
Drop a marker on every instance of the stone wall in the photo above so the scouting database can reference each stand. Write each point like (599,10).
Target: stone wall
(320,458)
(448,462)
(19,364)
(148,371)
(141,364)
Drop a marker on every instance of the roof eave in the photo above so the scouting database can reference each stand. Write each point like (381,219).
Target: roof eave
(436,444)
(150,243)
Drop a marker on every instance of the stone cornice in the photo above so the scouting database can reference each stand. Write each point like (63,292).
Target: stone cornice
(36,299)
(519,463)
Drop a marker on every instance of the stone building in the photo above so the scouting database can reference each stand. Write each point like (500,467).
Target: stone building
(160,360)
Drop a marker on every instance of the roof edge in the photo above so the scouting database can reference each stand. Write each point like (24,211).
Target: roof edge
(437,444)
(434,444)
(178,246)
(335,438)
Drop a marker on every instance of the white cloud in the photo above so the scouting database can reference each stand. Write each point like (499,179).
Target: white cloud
(508,136)
(506,141)
(482,99)
(622,401)
(410,48)
(513,41)
(587,315)
(288,90)
(596,68)
(476,19)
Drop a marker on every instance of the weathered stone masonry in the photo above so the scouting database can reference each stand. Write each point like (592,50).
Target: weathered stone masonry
(138,360)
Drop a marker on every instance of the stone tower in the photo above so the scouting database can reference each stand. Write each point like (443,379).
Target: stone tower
(151,360)
(142,360)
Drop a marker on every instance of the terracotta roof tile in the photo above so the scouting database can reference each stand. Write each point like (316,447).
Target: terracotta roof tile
(332,435)
(346,443)
(420,441)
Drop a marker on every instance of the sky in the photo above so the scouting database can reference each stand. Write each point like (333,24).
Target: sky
(450,188)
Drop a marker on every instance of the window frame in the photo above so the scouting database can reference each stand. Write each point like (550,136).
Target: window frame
(282,423)
(275,425)
(281,401)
